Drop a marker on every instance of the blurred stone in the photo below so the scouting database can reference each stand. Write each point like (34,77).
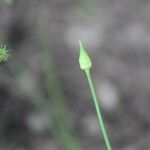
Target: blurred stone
(27,82)
(44,144)
(90,34)
(37,123)
(108,95)
(91,126)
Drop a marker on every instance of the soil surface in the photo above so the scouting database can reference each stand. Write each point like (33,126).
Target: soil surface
(116,34)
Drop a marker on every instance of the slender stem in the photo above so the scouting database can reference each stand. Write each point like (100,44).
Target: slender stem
(99,114)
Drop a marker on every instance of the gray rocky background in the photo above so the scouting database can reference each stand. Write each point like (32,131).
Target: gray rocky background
(117,36)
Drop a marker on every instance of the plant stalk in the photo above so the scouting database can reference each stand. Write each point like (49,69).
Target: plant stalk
(98,111)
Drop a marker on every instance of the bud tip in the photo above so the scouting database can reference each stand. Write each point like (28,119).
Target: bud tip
(84,59)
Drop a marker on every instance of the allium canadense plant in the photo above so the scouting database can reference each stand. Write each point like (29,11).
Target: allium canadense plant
(86,64)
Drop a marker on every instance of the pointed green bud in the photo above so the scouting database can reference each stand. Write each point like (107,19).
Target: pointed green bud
(84,59)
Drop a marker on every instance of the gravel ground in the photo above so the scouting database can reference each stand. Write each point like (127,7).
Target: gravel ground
(116,34)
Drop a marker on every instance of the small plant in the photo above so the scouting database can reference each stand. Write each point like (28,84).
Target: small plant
(86,64)
(3,53)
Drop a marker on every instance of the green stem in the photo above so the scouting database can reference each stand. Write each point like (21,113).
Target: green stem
(99,114)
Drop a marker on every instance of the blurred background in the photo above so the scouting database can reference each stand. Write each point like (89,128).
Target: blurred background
(45,102)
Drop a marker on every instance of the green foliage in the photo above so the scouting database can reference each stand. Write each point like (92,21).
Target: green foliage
(10,2)
(51,105)
(3,53)
(62,126)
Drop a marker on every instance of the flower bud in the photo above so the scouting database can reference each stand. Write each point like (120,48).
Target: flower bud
(84,59)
